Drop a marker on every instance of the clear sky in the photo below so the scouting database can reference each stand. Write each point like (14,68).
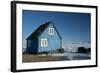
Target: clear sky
(73,27)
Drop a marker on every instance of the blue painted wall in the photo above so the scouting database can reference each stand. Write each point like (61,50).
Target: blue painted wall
(54,41)
(33,48)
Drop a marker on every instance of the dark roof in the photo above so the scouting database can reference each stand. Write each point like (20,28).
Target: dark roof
(39,30)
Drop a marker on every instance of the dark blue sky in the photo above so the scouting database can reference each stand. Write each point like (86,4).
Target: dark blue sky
(73,27)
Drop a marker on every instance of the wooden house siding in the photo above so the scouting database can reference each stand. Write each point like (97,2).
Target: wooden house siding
(54,41)
(33,46)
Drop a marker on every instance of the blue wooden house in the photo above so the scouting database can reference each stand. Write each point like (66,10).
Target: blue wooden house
(44,39)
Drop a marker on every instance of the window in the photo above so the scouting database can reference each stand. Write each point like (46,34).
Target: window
(51,31)
(44,42)
(29,43)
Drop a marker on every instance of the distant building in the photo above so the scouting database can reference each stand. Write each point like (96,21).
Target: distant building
(44,39)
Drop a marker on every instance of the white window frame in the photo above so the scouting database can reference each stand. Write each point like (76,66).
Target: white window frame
(44,42)
(51,31)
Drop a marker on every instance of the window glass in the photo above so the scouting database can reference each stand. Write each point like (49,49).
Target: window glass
(51,31)
(29,43)
(44,42)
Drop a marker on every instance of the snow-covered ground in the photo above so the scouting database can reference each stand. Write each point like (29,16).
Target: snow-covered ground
(72,47)
(77,56)
(71,55)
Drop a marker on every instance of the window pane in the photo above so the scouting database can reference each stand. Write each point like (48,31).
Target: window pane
(44,42)
(29,43)
(51,31)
